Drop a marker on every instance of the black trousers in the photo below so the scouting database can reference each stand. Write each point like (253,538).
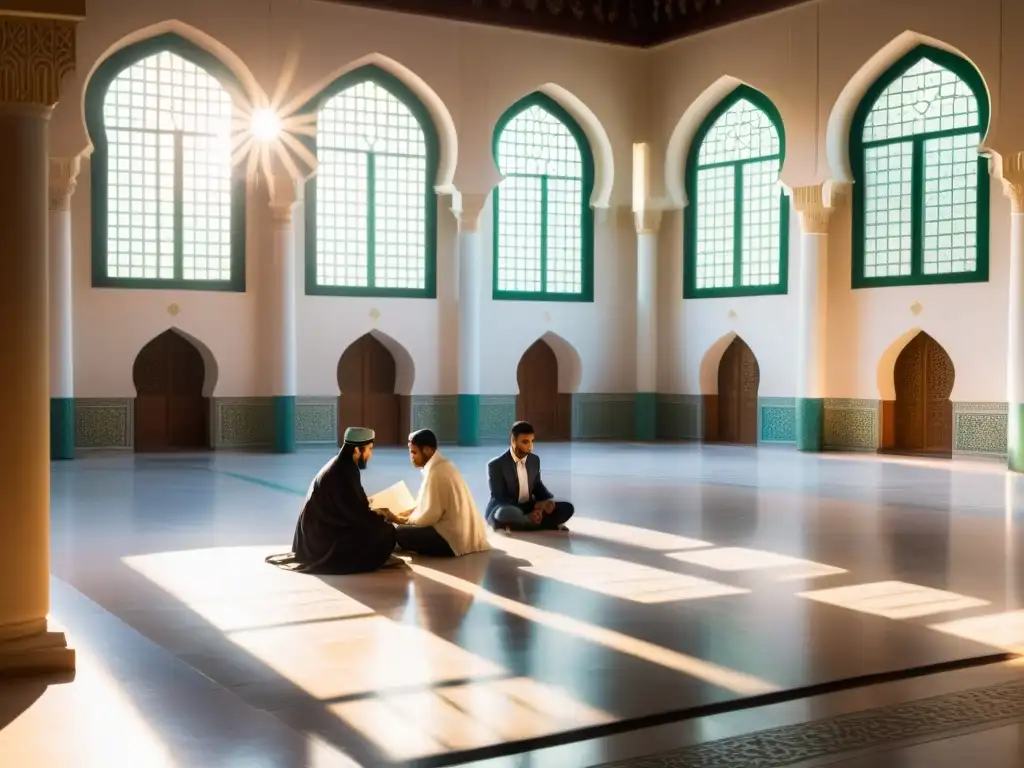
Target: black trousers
(423,541)
(515,517)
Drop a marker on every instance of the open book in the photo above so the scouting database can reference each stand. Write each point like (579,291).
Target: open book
(395,498)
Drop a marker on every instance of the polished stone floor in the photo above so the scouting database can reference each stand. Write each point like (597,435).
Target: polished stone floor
(704,593)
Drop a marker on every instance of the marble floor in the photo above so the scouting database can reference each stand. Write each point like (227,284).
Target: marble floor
(710,602)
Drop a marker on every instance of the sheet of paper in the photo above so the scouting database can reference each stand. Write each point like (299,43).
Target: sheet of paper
(396,498)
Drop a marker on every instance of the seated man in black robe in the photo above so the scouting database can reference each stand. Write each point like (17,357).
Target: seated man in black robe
(519,499)
(337,532)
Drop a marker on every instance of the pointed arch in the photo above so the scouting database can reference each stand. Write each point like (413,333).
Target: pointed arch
(547,167)
(375,141)
(570,365)
(710,361)
(439,116)
(405,367)
(206,253)
(730,377)
(914,138)
(736,225)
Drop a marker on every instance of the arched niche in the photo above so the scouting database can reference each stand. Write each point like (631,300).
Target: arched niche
(174,376)
(730,379)
(840,119)
(548,374)
(447,137)
(375,376)
(917,413)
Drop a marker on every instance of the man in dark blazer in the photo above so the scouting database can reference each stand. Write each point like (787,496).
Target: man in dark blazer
(519,499)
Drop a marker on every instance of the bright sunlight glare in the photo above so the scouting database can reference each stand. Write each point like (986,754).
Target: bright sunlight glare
(266,125)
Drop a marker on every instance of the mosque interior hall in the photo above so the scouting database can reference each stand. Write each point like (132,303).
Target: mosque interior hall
(752,271)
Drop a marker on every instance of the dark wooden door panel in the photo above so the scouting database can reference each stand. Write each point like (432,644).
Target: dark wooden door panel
(151,423)
(538,401)
(170,410)
(923,378)
(366,379)
(187,422)
(739,378)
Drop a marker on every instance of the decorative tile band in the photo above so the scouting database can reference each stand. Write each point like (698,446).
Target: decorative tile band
(497,412)
(852,424)
(597,416)
(680,417)
(104,423)
(439,413)
(873,729)
(316,420)
(243,422)
(980,429)
(776,420)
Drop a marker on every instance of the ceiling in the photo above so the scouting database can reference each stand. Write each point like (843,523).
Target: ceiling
(640,23)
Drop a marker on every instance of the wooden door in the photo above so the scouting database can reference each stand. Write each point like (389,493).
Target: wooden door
(170,410)
(538,401)
(738,379)
(923,377)
(366,379)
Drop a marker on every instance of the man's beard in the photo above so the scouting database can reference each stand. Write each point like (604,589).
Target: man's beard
(361,462)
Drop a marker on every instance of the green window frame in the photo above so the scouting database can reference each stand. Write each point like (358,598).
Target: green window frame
(541,218)
(376,185)
(923,225)
(174,232)
(734,200)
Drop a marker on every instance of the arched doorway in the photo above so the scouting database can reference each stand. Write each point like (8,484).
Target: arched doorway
(735,406)
(922,420)
(366,380)
(539,401)
(171,413)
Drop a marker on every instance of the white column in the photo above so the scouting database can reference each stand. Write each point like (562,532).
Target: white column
(469,299)
(647,223)
(281,342)
(63,178)
(1013,178)
(815,211)
(28,92)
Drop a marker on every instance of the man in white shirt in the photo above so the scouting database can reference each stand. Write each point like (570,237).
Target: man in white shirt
(445,521)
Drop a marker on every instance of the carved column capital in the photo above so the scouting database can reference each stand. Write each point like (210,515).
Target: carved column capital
(468,213)
(815,207)
(35,55)
(63,180)
(647,221)
(283,197)
(1013,180)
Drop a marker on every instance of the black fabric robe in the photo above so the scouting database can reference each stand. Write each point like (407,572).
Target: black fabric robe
(337,532)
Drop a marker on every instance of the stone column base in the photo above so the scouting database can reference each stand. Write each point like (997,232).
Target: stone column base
(41,654)
(469,419)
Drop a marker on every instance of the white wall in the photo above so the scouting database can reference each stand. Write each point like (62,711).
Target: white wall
(467,75)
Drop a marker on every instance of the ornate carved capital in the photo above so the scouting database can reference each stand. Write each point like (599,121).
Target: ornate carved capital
(283,197)
(815,209)
(63,179)
(647,221)
(35,55)
(1013,180)
(468,214)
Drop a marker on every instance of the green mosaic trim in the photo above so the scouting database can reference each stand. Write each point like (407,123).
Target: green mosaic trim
(497,412)
(810,424)
(439,413)
(316,420)
(980,429)
(469,419)
(852,424)
(645,422)
(680,417)
(104,423)
(62,428)
(786,745)
(776,420)
(597,416)
(243,422)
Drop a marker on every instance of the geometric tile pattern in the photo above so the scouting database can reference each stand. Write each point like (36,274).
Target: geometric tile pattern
(439,413)
(777,420)
(243,422)
(852,424)
(497,412)
(597,416)
(872,729)
(979,429)
(104,423)
(316,420)
(680,417)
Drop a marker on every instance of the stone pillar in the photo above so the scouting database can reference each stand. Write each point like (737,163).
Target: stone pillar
(281,344)
(646,408)
(469,299)
(35,55)
(815,212)
(1013,181)
(63,177)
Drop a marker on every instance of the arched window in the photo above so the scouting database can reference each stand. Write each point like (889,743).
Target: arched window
(168,205)
(371,208)
(920,192)
(543,224)
(736,230)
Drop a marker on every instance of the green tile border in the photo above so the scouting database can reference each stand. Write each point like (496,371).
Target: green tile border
(980,429)
(603,416)
(497,412)
(242,422)
(104,423)
(469,419)
(645,421)
(810,424)
(62,428)
(316,420)
(776,420)
(439,413)
(680,417)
